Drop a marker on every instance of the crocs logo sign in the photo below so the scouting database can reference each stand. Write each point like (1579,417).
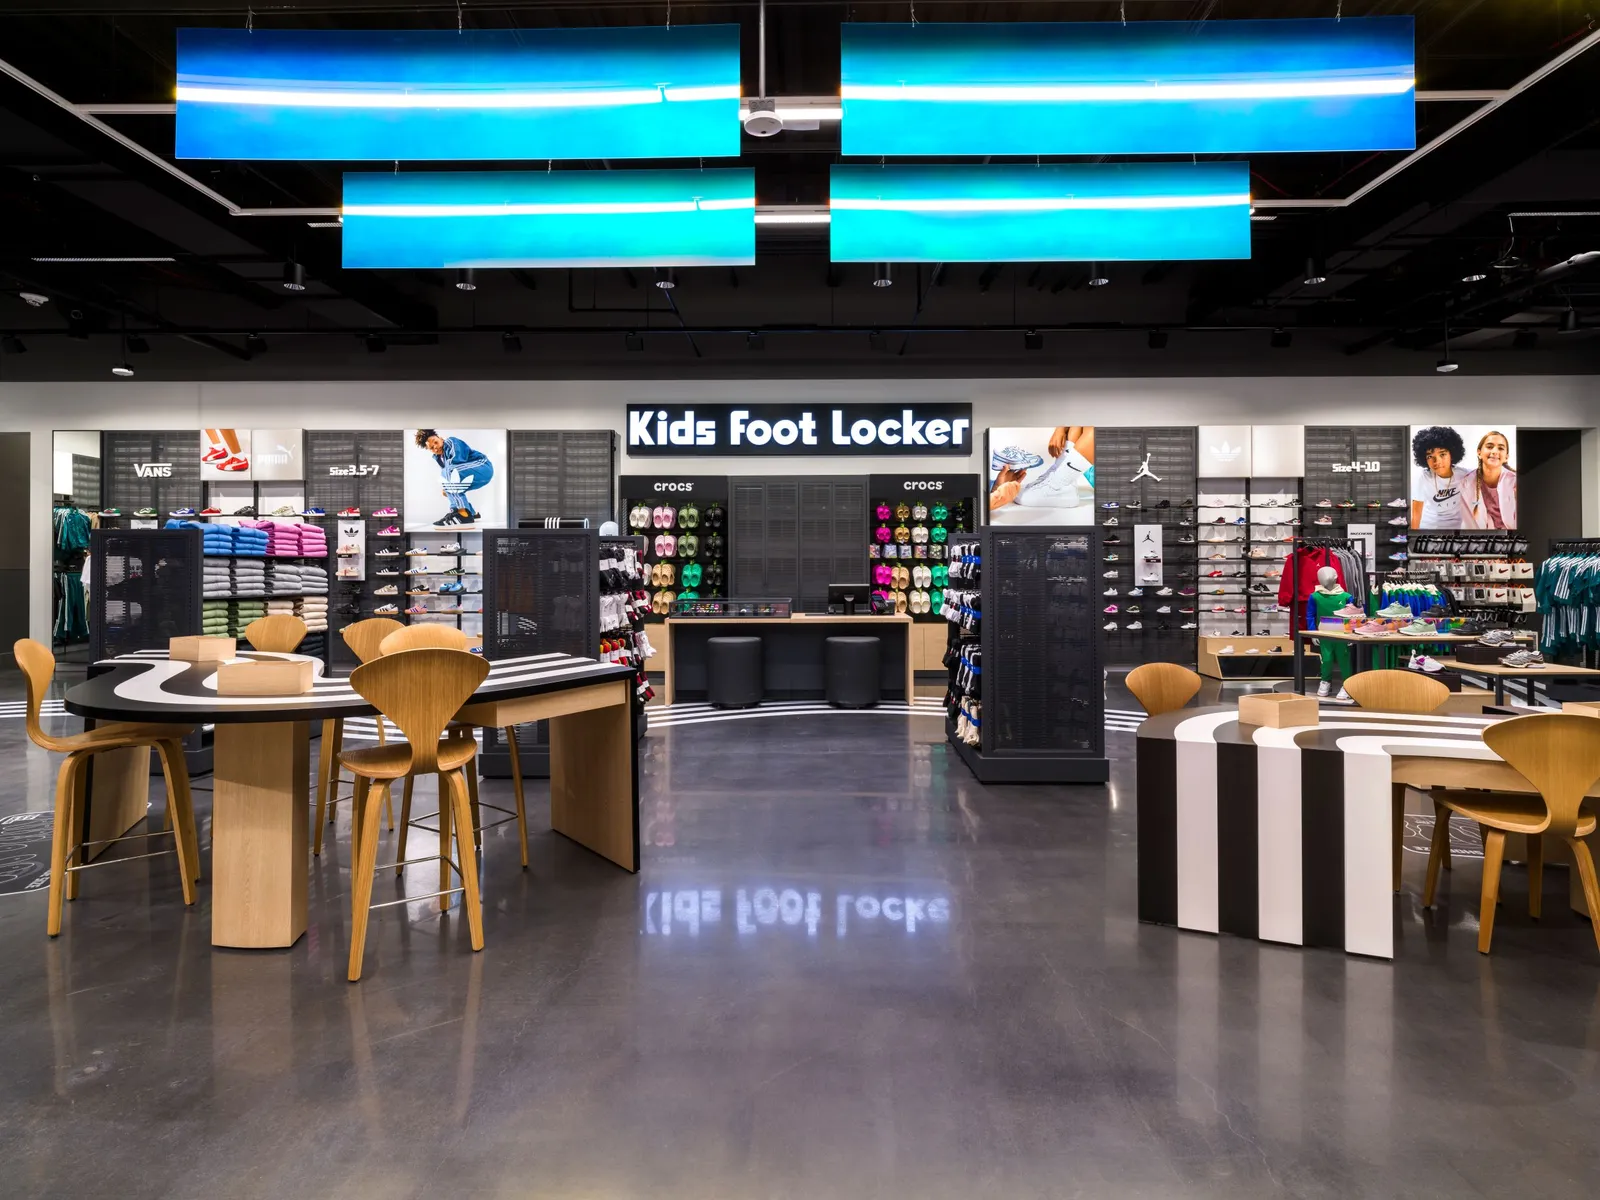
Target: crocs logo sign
(766,429)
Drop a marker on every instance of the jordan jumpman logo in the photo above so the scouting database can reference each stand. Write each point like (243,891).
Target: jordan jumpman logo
(1145,472)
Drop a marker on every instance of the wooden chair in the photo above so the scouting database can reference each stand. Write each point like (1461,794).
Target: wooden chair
(413,637)
(280,633)
(1161,687)
(420,691)
(1409,692)
(68,844)
(363,638)
(1559,754)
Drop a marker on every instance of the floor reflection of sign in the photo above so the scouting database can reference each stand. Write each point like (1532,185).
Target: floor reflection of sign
(25,852)
(690,911)
(1147,546)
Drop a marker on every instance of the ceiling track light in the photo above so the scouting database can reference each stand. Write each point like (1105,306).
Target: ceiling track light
(1097,277)
(510,343)
(122,370)
(1474,275)
(1157,339)
(881,276)
(1315,273)
(1282,339)
(465,281)
(33,299)
(1033,340)
(666,278)
(294,277)
(1447,365)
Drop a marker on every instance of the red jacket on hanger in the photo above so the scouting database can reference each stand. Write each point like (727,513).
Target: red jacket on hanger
(1303,565)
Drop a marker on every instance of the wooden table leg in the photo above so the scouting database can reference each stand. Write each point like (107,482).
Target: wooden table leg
(119,794)
(594,782)
(260,862)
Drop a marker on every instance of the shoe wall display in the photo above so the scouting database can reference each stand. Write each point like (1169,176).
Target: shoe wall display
(443,576)
(931,511)
(684,520)
(625,602)
(1357,476)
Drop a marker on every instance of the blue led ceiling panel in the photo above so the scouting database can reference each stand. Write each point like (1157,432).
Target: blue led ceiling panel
(418,95)
(1148,87)
(1080,212)
(550,219)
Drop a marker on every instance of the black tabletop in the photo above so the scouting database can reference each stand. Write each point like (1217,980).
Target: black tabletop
(149,686)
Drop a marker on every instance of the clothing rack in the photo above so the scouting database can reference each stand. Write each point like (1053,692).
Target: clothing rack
(1354,545)
(1588,656)
(1466,543)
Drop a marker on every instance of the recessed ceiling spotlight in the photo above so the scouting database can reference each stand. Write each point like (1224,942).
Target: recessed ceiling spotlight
(1157,339)
(881,276)
(34,299)
(464,280)
(1315,273)
(1097,277)
(294,277)
(122,371)
(1474,275)
(666,278)
(1446,366)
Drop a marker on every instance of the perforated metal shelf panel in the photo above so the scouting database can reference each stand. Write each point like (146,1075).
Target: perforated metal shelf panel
(1042,686)
(335,460)
(170,459)
(144,588)
(539,592)
(563,473)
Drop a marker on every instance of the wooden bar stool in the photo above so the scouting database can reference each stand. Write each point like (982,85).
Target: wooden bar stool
(414,637)
(363,639)
(1409,692)
(281,633)
(420,691)
(1559,754)
(1162,687)
(68,846)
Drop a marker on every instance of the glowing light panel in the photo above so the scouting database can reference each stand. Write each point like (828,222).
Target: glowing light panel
(1079,212)
(1148,87)
(418,95)
(550,219)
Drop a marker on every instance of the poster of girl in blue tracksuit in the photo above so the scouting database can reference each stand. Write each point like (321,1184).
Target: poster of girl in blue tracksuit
(463,475)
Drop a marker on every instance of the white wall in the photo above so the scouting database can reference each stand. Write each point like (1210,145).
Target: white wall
(1551,402)
(68,442)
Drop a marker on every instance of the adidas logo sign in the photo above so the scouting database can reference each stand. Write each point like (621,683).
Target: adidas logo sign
(1225,452)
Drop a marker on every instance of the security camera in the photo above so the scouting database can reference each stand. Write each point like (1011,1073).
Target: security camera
(34,299)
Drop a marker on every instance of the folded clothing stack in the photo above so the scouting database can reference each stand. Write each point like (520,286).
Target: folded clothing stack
(283,537)
(313,541)
(283,607)
(283,578)
(242,612)
(313,610)
(249,578)
(217,539)
(214,618)
(252,542)
(313,579)
(216,579)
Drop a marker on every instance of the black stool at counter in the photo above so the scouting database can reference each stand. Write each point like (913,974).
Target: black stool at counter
(733,672)
(852,671)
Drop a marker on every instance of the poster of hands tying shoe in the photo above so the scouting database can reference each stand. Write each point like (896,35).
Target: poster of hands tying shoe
(453,479)
(1041,475)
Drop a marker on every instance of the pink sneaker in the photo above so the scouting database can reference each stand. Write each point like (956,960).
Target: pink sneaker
(389,531)
(1371,629)
(386,512)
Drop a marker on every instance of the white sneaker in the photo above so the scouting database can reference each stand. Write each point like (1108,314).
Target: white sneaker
(1343,695)
(1253,650)
(1324,689)
(1135,626)
(1226,650)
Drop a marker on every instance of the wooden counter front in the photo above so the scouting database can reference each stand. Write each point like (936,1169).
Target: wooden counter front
(666,653)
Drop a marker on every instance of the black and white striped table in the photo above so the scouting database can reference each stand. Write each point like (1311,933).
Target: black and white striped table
(1285,835)
(260,856)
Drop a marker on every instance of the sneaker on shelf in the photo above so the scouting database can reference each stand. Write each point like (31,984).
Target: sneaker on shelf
(418,591)
(1135,626)
(1164,610)
(1323,521)
(1109,575)
(1226,650)
(349,512)
(1401,557)
(1417,628)
(1421,662)
(1347,504)
(1187,591)
(1186,540)
(1253,650)
(1166,591)
(1111,558)
(389,531)
(1109,523)
(1324,689)
(349,573)
(386,512)
(1497,637)
(1110,608)
(186,511)
(1113,540)
(314,510)
(1371,629)
(1398,521)
(416,570)
(1109,592)
(348,551)
(416,610)
(1188,625)
(1109,505)
(449,548)
(1324,503)
(1397,502)
(451,589)
(110,512)
(144,512)
(1109,627)
(417,552)
(249,510)
(1523,660)
(1399,539)
(387,589)
(1394,611)
(1350,612)
(1134,608)
(389,571)
(454,571)
(211,510)
(386,610)
(284,510)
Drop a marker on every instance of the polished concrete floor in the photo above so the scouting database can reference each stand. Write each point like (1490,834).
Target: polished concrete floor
(847,969)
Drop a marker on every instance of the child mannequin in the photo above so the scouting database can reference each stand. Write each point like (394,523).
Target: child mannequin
(1325,601)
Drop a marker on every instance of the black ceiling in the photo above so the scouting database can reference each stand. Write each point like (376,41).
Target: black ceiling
(1395,259)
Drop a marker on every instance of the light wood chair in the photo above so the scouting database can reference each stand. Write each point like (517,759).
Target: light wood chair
(1161,687)
(1559,754)
(413,637)
(363,638)
(420,691)
(1409,692)
(281,633)
(69,846)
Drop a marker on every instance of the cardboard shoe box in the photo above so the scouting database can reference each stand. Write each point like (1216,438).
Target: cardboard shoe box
(264,677)
(1278,710)
(202,648)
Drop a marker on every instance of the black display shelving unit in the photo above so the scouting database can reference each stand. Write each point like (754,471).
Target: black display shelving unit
(540,596)
(654,491)
(960,494)
(1043,700)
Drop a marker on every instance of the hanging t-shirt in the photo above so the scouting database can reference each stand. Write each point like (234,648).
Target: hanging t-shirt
(1442,503)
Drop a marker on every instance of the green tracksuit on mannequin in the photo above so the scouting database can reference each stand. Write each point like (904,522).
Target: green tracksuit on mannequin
(1326,603)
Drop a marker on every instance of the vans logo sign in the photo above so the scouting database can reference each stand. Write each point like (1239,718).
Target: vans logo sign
(731,430)
(159,470)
